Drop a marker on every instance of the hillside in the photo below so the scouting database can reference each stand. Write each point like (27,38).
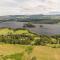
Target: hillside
(32,18)
(20,52)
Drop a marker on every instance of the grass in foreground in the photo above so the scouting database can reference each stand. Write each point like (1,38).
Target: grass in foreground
(21,52)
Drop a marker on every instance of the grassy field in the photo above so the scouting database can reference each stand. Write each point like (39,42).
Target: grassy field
(23,52)
(6,31)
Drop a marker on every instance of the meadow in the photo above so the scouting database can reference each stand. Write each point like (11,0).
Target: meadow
(23,52)
(4,31)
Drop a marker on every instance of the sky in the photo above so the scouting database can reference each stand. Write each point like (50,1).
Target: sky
(29,7)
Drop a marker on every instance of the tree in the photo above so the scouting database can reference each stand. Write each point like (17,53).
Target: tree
(29,24)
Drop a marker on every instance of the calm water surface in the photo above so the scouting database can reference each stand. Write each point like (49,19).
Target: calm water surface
(46,29)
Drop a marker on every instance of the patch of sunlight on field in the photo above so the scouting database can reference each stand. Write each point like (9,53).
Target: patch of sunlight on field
(21,31)
(31,34)
(5,31)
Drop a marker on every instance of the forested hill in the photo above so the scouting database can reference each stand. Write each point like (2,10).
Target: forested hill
(32,18)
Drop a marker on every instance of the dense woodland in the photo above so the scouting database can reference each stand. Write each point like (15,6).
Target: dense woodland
(29,40)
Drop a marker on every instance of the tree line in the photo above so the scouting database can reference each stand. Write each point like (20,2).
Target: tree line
(29,40)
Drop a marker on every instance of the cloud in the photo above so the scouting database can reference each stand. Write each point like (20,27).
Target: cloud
(11,7)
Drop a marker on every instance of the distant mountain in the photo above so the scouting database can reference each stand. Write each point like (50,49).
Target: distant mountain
(29,17)
(41,18)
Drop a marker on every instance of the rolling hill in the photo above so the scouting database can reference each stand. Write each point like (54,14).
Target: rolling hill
(50,19)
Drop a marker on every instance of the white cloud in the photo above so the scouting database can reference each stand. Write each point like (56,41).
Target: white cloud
(9,7)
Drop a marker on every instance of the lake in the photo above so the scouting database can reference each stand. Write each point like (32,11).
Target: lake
(45,29)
